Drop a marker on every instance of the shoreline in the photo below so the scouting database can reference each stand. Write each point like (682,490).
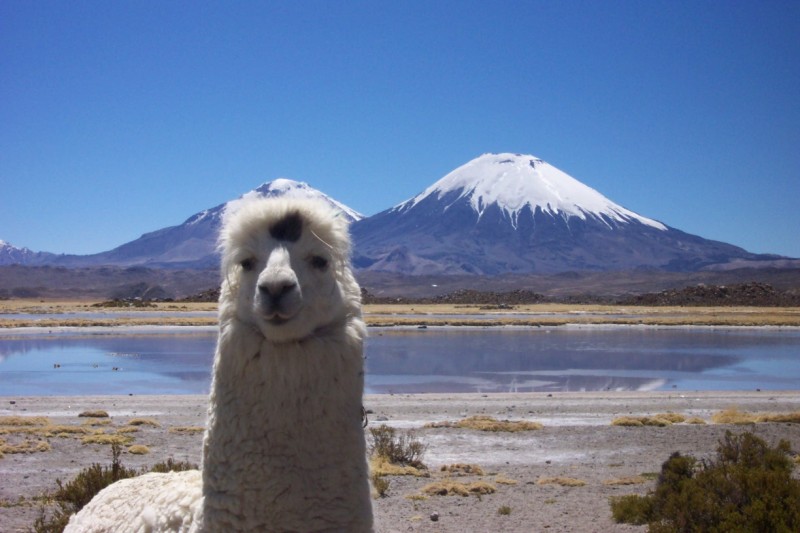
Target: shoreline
(577,441)
(49,315)
(21,331)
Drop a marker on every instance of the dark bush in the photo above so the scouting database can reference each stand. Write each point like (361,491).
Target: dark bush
(399,449)
(75,494)
(747,488)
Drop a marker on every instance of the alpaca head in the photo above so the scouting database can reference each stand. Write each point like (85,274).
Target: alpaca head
(285,267)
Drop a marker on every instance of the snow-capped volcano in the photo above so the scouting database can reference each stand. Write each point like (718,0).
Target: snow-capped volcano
(507,213)
(513,182)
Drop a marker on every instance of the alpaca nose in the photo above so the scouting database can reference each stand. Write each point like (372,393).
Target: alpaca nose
(276,290)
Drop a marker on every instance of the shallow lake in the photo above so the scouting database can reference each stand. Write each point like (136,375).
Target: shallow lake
(430,360)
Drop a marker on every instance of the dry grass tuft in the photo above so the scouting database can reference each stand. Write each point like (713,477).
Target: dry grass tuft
(44,431)
(630,480)
(98,413)
(695,420)
(790,418)
(488,423)
(381,466)
(461,469)
(563,481)
(103,438)
(139,449)
(734,416)
(503,480)
(97,422)
(627,421)
(453,488)
(24,421)
(675,418)
(659,420)
(26,446)
(144,422)
(64,431)
(186,430)
(127,429)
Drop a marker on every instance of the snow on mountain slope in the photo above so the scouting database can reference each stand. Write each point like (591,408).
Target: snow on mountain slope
(514,181)
(295,189)
(512,213)
(278,187)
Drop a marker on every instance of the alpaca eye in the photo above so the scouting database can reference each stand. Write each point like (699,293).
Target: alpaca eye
(318,262)
(248,264)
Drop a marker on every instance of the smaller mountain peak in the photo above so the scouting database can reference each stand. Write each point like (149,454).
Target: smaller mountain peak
(298,189)
(281,185)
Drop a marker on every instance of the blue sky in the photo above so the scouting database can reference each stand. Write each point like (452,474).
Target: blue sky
(120,118)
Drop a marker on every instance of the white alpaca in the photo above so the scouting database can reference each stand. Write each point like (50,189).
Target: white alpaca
(284,449)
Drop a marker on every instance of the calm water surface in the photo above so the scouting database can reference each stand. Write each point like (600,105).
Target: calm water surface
(432,360)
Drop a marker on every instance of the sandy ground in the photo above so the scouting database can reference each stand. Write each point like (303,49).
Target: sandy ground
(577,441)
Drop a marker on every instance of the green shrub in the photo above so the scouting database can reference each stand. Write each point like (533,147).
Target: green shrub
(72,496)
(170,465)
(75,494)
(398,449)
(747,488)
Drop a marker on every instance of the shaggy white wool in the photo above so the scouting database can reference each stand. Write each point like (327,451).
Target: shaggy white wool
(152,502)
(284,449)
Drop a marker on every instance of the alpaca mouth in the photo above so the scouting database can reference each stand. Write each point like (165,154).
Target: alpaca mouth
(277,318)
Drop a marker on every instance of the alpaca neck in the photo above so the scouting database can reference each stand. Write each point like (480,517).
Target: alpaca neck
(285,447)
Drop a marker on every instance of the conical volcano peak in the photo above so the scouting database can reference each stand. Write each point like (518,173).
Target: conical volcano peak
(514,181)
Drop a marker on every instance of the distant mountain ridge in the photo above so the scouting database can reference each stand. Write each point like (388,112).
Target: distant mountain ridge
(497,214)
(191,244)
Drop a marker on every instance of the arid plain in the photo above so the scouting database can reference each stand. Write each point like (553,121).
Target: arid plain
(556,478)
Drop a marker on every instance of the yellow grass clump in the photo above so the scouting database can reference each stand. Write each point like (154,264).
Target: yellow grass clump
(563,481)
(790,418)
(97,422)
(462,469)
(48,430)
(695,420)
(488,423)
(503,480)
(64,431)
(26,446)
(186,430)
(453,488)
(103,438)
(24,421)
(630,480)
(659,420)
(97,413)
(734,416)
(381,466)
(139,449)
(127,429)
(143,422)
(675,418)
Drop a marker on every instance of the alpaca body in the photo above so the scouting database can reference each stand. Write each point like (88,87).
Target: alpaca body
(165,502)
(291,472)
(284,448)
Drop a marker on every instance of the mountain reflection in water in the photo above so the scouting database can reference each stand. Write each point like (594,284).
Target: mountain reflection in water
(432,360)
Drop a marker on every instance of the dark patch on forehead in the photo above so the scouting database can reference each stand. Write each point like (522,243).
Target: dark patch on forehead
(289,228)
